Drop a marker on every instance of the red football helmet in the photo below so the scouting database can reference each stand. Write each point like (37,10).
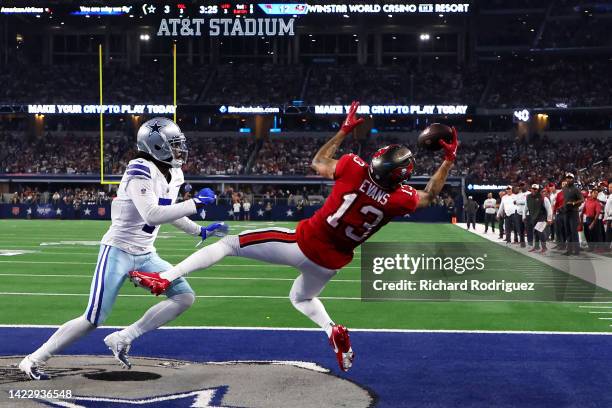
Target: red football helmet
(392,165)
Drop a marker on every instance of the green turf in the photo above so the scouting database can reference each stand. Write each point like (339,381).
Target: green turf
(76,261)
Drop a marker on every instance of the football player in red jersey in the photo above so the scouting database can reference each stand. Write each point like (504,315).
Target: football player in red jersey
(365,197)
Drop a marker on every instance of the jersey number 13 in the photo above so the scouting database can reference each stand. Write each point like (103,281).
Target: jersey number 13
(335,219)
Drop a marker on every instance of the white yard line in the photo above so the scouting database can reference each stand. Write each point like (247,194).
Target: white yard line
(590,267)
(321,297)
(313,329)
(27,275)
(213,266)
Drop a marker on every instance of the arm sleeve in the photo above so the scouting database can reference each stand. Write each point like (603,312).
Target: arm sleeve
(501,209)
(608,209)
(525,210)
(140,191)
(185,224)
(548,207)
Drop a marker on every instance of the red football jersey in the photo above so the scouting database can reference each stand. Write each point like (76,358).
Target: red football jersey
(356,208)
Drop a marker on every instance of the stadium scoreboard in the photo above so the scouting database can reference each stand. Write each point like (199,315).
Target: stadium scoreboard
(233,9)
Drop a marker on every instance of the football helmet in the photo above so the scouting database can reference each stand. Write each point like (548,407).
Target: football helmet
(163,140)
(392,165)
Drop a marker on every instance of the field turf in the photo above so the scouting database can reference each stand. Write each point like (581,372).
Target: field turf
(50,285)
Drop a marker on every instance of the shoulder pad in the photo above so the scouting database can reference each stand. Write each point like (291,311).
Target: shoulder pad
(139,167)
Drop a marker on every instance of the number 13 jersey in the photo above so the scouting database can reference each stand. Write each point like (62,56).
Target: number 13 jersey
(356,208)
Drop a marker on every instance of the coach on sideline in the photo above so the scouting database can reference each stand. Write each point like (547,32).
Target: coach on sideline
(501,219)
(507,209)
(608,216)
(489,207)
(573,198)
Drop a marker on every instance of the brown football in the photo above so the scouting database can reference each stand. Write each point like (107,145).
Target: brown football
(430,137)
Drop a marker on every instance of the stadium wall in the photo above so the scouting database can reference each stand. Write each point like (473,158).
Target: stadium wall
(279,212)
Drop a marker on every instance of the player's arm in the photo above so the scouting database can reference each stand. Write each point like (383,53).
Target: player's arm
(140,191)
(323,162)
(437,181)
(187,226)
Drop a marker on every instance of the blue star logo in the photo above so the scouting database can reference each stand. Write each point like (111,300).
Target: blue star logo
(155,128)
(210,397)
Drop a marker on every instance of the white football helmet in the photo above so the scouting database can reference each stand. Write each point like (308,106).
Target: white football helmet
(162,138)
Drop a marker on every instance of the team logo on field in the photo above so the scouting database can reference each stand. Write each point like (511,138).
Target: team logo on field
(15,211)
(97,381)
(101,211)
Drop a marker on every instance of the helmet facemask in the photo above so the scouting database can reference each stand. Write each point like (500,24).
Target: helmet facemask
(179,150)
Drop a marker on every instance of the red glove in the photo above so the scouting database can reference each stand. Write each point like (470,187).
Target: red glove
(450,149)
(351,122)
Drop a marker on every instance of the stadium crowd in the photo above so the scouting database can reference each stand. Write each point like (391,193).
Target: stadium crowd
(68,196)
(507,83)
(491,160)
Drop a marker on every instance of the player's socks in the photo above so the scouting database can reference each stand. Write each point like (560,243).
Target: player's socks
(158,315)
(315,311)
(329,328)
(62,338)
(203,258)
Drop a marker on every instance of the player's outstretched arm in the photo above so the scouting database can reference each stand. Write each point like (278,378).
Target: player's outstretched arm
(323,162)
(141,193)
(436,182)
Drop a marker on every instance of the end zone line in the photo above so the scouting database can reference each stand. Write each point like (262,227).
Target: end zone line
(314,329)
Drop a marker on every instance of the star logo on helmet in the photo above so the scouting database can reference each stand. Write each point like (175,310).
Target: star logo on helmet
(155,128)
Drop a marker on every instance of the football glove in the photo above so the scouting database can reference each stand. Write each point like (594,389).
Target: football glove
(204,196)
(450,149)
(216,229)
(351,122)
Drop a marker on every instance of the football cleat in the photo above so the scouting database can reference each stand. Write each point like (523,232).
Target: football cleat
(34,370)
(341,343)
(120,348)
(150,280)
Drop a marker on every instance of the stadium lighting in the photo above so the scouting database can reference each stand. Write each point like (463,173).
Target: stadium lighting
(145,37)
(389,15)
(345,15)
(424,37)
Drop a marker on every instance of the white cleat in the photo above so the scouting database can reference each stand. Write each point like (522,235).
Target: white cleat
(34,370)
(120,348)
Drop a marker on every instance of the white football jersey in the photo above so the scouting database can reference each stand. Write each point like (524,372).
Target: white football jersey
(144,201)
(489,205)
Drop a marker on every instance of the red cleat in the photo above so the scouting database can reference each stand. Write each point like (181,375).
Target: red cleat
(150,280)
(341,343)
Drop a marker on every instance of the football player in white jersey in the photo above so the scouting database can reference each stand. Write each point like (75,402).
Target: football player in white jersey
(145,200)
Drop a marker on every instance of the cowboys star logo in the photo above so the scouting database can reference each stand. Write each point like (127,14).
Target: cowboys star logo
(154,128)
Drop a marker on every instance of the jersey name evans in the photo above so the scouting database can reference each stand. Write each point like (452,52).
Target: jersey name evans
(374,192)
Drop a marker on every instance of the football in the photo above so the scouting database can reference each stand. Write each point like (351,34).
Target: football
(429,138)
